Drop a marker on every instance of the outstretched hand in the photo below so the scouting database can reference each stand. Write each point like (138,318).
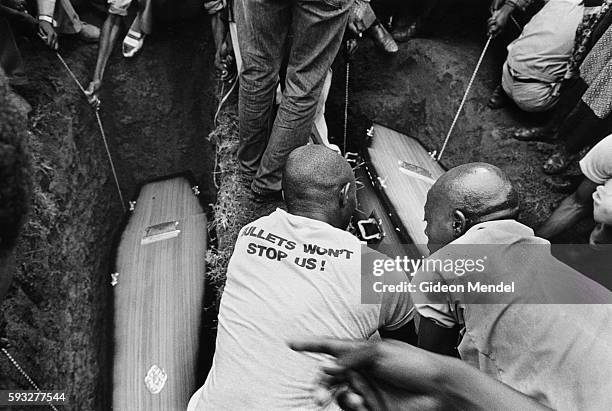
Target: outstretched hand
(47,34)
(360,17)
(384,376)
(92,93)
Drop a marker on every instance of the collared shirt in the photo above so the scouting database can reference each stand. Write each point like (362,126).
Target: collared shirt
(558,354)
(543,49)
(289,277)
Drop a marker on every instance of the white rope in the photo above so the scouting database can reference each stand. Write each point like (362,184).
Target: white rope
(25,375)
(346,103)
(102,133)
(224,99)
(110,159)
(465,95)
(518,26)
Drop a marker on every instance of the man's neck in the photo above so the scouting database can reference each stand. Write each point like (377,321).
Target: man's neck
(318,215)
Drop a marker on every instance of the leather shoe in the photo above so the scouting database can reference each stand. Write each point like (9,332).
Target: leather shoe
(382,39)
(498,98)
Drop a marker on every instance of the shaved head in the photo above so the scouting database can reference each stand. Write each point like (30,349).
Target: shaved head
(467,195)
(318,180)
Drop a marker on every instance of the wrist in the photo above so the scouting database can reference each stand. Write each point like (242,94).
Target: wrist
(508,8)
(47,19)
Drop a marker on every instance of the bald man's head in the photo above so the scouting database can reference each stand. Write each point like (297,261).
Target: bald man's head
(319,183)
(467,195)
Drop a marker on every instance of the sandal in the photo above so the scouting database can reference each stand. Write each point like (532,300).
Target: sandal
(132,43)
(558,162)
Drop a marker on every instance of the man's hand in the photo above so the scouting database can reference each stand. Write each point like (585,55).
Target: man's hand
(92,93)
(359,17)
(391,375)
(498,20)
(47,34)
(384,376)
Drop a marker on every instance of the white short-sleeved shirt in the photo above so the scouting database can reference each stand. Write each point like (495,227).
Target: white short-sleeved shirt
(289,277)
(558,354)
(597,163)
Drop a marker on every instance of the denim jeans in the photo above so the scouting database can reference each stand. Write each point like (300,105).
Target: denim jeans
(263,27)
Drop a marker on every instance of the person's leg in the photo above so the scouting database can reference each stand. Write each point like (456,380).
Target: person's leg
(10,57)
(262,27)
(67,19)
(571,210)
(422,24)
(318,27)
(143,23)
(580,129)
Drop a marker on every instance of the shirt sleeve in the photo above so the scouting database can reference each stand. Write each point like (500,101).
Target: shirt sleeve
(46,8)
(430,305)
(597,163)
(396,308)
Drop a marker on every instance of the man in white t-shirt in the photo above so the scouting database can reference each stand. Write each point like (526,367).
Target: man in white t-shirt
(295,274)
(593,194)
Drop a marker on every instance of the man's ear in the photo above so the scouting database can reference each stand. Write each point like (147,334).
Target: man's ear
(459,223)
(345,194)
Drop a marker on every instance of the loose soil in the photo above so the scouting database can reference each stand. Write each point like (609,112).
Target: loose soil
(157,111)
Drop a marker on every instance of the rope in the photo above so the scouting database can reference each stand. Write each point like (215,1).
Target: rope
(224,99)
(518,26)
(110,159)
(25,375)
(465,95)
(102,133)
(346,102)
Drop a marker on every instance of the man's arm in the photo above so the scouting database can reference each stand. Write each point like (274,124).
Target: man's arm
(501,11)
(108,38)
(397,376)
(46,22)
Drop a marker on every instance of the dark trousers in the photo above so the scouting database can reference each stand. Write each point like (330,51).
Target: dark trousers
(10,58)
(263,26)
